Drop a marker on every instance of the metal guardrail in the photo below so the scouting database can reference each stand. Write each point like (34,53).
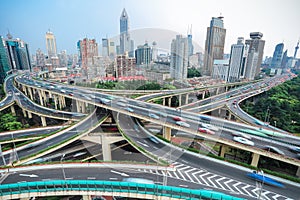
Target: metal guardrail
(93,186)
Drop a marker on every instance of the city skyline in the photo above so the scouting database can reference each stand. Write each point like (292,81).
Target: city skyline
(68,20)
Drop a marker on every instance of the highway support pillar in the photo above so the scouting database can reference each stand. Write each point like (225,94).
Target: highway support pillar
(83,106)
(169,101)
(255,159)
(29,115)
(44,97)
(30,93)
(203,94)
(222,150)
(106,149)
(217,91)
(24,113)
(164,101)
(25,90)
(86,197)
(186,99)
(55,98)
(167,133)
(179,99)
(41,98)
(298,172)
(43,119)
(229,116)
(13,111)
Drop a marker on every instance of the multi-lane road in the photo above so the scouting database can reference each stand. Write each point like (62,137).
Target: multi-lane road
(190,167)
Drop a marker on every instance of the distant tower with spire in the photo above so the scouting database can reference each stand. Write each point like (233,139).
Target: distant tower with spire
(124,34)
(296,49)
(190,41)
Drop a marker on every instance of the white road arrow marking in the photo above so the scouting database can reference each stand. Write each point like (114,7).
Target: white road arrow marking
(29,175)
(120,173)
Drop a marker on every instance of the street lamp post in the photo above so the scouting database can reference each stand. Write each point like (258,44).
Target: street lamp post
(261,184)
(14,147)
(62,166)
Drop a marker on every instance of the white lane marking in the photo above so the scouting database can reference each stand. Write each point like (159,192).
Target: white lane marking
(120,173)
(142,144)
(91,178)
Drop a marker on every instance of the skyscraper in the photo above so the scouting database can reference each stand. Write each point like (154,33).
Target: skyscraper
(51,44)
(179,58)
(190,42)
(5,68)
(125,43)
(251,64)
(105,47)
(277,56)
(214,44)
(258,45)
(143,54)
(18,54)
(296,49)
(284,59)
(238,61)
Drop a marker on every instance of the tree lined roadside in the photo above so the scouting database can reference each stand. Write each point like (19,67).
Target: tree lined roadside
(279,106)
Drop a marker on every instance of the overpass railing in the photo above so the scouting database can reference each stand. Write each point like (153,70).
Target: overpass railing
(128,188)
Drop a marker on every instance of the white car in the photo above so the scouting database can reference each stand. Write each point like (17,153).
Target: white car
(238,134)
(211,127)
(184,124)
(243,140)
(154,116)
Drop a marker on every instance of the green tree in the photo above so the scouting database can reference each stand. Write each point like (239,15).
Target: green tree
(193,72)
(283,101)
(9,122)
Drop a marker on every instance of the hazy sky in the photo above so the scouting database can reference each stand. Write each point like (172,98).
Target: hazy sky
(71,20)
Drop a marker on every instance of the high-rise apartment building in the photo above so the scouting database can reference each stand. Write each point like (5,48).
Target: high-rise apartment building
(214,44)
(63,58)
(88,48)
(5,67)
(258,45)
(143,54)
(238,61)
(40,59)
(51,45)
(277,56)
(124,66)
(179,58)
